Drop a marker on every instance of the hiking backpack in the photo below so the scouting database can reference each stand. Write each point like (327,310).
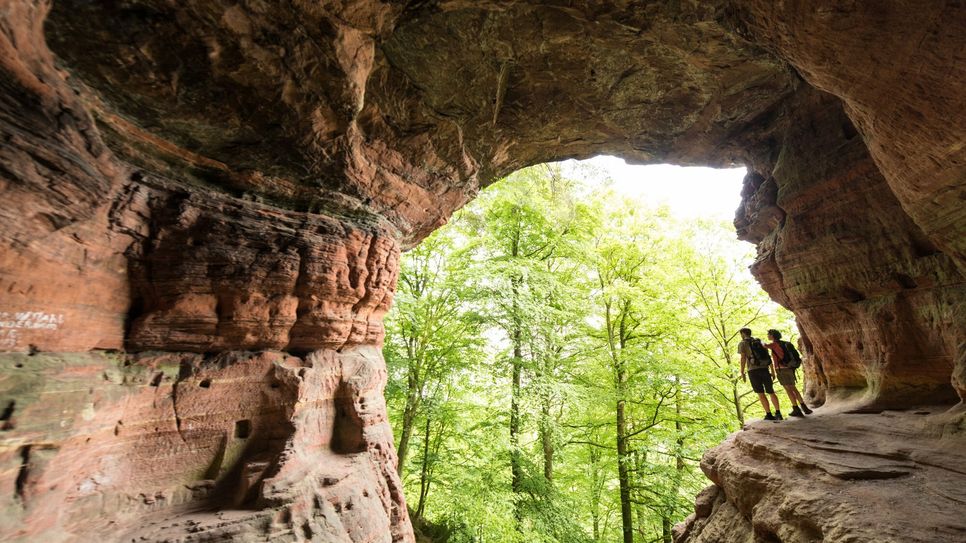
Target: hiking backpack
(759,353)
(792,358)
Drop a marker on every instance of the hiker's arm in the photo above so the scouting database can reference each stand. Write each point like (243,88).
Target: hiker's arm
(773,365)
(743,359)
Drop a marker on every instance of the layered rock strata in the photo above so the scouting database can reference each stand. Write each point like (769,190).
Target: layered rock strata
(879,306)
(151,445)
(203,205)
(891,477)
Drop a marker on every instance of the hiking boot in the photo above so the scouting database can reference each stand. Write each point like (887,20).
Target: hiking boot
(796,412)
(778,415)
(805,409)
(769,416)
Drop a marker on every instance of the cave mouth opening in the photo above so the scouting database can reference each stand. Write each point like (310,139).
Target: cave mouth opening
(462,88)
(579,313)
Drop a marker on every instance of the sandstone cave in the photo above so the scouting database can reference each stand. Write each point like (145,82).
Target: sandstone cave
(203,204)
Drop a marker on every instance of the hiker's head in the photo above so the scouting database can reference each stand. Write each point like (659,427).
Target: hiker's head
(774,335)
(745,333)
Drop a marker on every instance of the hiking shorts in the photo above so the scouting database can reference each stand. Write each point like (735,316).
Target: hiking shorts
(761,381)
(786,377)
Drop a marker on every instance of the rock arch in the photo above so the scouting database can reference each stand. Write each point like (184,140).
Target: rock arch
(215,191)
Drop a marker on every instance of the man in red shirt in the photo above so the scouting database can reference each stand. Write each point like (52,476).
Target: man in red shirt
(786,375)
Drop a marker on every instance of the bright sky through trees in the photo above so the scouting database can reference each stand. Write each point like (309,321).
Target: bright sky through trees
(690,193)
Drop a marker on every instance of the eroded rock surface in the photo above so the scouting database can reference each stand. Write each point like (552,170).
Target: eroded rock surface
(203,205)
(891,477)
(880,307)
(151,445)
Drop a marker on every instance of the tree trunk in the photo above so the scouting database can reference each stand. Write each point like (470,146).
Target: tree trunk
(666,530)
(546,439)
(409,419)
(640,462)
(623,451)
(668,517)
(597,484)
(627,521)
(739,412)
(516,469)
(516,337)
(424,473)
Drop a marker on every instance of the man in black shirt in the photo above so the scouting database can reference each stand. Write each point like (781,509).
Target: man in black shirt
(755,356)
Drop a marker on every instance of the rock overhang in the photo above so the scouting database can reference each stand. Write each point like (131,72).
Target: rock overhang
(297,105)
(203,179)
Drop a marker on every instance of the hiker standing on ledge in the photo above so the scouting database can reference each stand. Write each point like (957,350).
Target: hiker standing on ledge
(787,360)
(754,355)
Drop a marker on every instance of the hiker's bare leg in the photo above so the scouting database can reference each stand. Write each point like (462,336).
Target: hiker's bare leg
(764,402)
(793,394)
(774,400)
(801,400)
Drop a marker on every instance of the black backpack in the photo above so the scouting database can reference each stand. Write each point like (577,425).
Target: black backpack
(759,353)
(792,358)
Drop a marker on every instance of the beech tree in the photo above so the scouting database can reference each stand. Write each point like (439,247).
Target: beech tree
(525,235)
(559,360)
(624,253)
(433,332)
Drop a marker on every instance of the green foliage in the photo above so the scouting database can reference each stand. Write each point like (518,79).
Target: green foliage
(556,343)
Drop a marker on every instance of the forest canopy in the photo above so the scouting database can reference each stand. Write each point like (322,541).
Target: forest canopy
(560,357)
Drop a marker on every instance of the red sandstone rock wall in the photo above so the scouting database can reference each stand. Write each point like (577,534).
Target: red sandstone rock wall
(882,308)
(878,303)
(899,70)
(99,252)
(202,206)
(211,273)
(145,445)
